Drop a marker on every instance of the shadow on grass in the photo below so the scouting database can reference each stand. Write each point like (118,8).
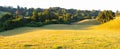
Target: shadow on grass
(46,27)
(17,31)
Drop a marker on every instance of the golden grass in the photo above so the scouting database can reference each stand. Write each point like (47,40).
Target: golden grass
(65,39)
(111,25)
(62,37)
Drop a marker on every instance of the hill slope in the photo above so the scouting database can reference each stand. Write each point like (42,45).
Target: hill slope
(47,37)
(61,39)
(113,24)
(87,22)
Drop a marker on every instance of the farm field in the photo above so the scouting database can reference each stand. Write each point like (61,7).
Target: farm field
(60,36)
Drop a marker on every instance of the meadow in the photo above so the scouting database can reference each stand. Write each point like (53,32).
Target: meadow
(60,36)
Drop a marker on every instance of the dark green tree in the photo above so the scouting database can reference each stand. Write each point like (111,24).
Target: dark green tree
(6,17)
(105,16)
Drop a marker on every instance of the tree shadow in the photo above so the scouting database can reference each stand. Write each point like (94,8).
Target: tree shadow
(46,27)
(17,31)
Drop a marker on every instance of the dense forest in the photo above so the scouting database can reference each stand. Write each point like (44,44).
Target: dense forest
(31,17)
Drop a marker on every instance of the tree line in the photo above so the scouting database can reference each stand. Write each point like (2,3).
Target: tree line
(19,17)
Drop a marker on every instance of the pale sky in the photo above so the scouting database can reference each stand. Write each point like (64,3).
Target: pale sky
(75,4)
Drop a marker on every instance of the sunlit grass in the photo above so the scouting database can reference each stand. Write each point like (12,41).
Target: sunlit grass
(66,39)
(111,25)
(61,37)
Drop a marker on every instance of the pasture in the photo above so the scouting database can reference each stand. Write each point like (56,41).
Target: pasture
(60,36)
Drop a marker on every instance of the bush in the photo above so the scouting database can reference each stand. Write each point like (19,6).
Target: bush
(11,24)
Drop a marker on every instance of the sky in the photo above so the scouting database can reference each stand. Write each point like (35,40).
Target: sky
(68,4)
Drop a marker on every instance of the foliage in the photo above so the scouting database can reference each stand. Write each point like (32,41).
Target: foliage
(11,24)
(5,17)
(34,16)
(54,15)
(105,16)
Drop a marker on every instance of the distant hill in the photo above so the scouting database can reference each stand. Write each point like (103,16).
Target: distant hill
(87,22)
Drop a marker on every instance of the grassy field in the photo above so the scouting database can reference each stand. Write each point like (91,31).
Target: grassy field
(111,25)
(60,36)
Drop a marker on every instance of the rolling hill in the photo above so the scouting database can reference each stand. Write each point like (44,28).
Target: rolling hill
(60,36)
(113,24)
(87,22)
